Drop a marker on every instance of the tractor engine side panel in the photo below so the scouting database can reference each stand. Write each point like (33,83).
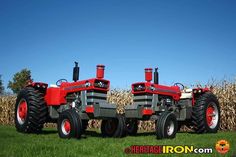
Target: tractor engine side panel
(184,111)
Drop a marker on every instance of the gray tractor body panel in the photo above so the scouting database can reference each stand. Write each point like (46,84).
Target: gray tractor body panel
(182,108)
(104,110)
(134,111)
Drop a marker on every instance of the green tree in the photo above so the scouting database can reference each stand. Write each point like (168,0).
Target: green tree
(1,86)
(20,79)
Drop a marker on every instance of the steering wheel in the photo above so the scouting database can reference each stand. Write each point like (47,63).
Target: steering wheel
(180,85)
(58,83)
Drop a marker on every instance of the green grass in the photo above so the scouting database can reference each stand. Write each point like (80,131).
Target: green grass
(14,144)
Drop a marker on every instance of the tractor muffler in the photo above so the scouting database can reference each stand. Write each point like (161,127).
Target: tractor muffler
(76,72)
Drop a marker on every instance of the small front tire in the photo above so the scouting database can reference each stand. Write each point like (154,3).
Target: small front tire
(69,124)
(84,125)
(166,126)
(131,126)
(114,127)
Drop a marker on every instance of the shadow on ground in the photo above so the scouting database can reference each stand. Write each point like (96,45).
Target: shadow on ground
(46,132)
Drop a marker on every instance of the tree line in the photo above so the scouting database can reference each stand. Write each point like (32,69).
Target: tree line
(19,80)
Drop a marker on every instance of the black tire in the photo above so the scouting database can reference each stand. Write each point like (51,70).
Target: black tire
(121,132)
(69,117)
(114,127)
(35,111)
(200,112)
(131,126)
(166,125)
(84,125)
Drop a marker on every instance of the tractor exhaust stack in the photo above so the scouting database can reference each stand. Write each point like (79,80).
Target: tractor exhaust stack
(156,76)
(76,72)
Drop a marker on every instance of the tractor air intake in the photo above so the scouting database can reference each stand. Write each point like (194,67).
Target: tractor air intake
(148,74)
(76,72)
(156,76)
(100,71)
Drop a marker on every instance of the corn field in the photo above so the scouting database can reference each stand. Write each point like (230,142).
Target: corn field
(224,90)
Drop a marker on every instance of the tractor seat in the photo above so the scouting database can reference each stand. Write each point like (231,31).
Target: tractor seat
(186,94)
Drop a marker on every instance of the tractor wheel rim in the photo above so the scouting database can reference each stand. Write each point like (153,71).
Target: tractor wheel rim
(22,110)
(212,115)
(66,127)
(170,128)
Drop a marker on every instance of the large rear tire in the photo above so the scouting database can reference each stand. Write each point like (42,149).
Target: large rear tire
(166,125)
(30,111)
(114,127)
(206,114)
(69,124)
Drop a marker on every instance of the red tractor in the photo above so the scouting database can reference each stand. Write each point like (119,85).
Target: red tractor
(70,104)
(171,107)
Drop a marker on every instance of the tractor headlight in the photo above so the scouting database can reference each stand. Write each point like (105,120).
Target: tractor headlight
(87,84)
(152,88)
(100,84)
(139,87)
(199,91)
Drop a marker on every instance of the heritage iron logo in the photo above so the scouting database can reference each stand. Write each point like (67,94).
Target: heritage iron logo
(165,149)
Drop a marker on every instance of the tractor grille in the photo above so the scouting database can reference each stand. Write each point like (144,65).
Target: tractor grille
(96,96)
(143,99)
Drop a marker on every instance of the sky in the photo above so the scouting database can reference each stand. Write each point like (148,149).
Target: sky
(190,41)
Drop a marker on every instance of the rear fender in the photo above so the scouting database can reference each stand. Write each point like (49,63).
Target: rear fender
(40,86)
(197,92)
